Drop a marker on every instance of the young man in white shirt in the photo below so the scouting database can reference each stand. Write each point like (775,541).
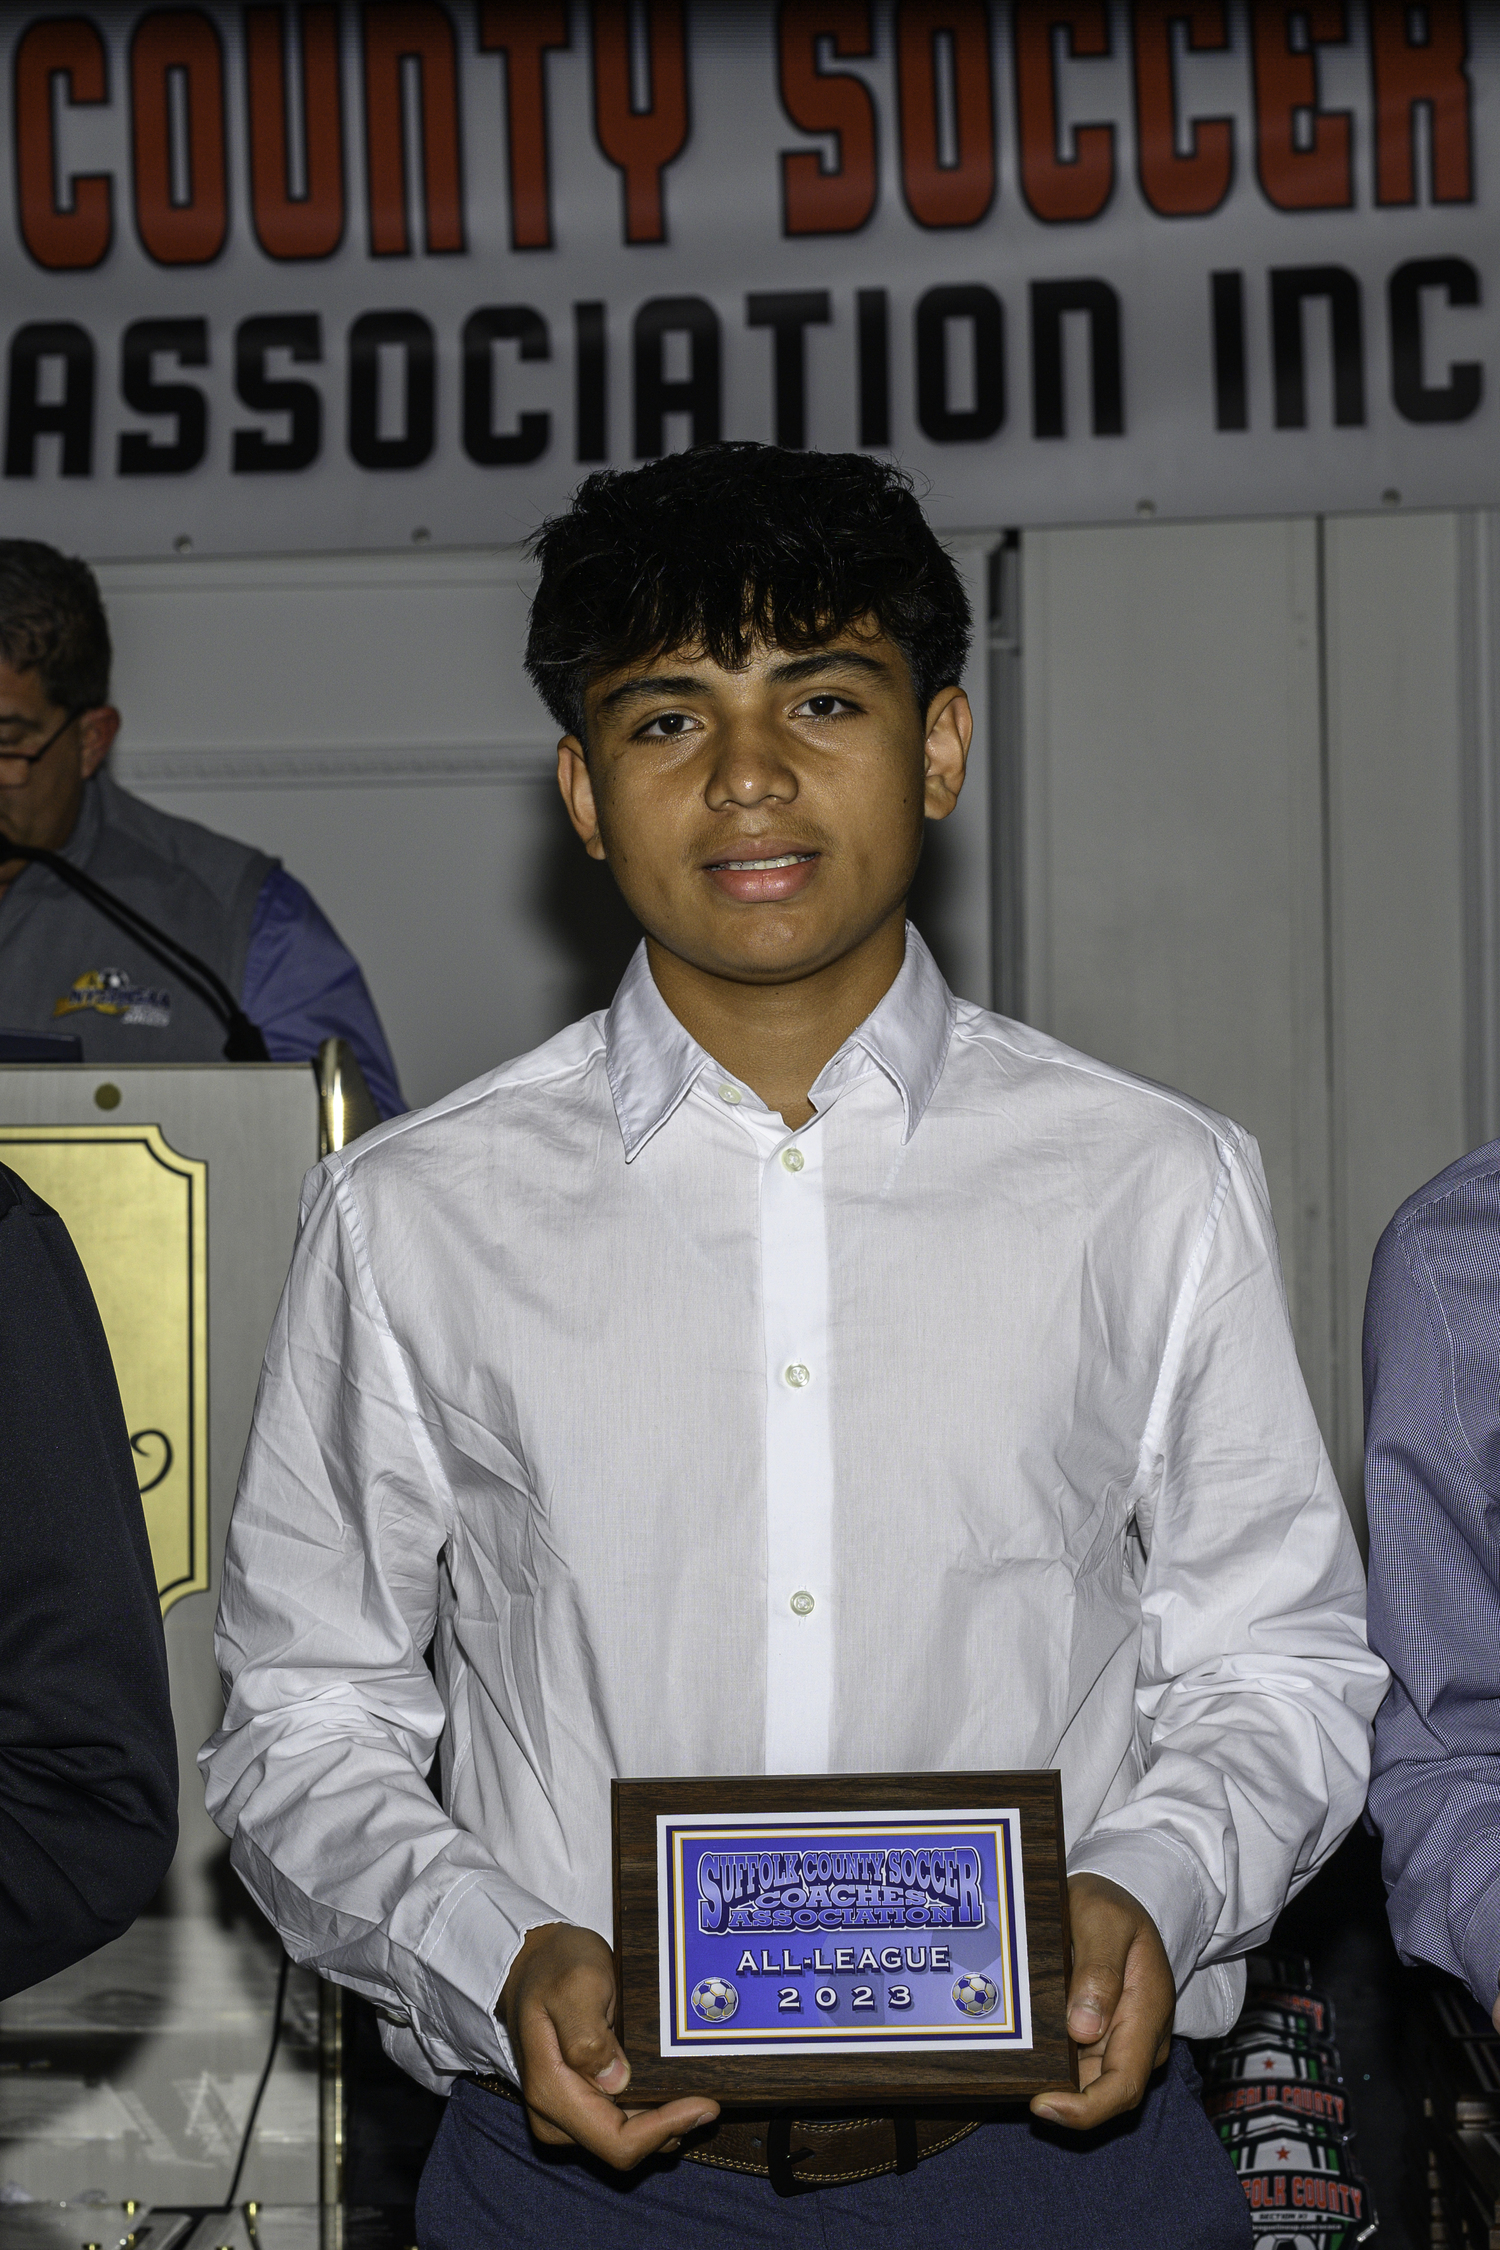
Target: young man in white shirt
(792,1369)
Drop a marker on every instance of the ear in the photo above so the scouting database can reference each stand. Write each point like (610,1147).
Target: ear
(577,786)
(96,733)
(950,729)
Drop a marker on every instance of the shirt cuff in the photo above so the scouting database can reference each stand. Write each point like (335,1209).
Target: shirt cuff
(1476,1941)
(1165,1878)
(458,1974)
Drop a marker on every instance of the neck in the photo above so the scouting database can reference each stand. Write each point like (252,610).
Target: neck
(778,1037)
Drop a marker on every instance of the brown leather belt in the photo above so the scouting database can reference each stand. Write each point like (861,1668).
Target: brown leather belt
(797,2154)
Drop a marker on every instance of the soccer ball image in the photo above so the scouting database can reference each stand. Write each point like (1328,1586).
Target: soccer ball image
(714,1999)
(975,1995)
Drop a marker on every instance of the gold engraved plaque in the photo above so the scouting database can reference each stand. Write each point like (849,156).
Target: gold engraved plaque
(138,1216)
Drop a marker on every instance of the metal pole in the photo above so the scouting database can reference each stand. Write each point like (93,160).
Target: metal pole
(330,2116)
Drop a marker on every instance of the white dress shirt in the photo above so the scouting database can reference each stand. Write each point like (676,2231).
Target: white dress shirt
(960,1427)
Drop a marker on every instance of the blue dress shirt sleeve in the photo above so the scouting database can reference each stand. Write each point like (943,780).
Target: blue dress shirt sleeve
(1432,1486)
(303,985)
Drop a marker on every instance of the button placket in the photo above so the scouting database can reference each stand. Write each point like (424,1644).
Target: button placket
(799,1459)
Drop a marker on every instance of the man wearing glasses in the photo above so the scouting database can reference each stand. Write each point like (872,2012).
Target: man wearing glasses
(65,967)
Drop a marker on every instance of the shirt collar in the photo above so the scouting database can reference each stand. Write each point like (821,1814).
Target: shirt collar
(908,1034)
(653,1062)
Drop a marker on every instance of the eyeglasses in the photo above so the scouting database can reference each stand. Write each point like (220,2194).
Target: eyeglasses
(35,757)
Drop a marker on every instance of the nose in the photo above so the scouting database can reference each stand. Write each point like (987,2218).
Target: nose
(751,768)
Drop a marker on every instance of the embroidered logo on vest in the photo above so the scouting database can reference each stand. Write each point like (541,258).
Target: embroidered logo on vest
(110,992)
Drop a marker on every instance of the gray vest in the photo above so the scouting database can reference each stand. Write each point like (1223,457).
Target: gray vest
(64,967)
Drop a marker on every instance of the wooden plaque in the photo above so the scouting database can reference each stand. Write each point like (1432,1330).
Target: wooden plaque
(837,1938)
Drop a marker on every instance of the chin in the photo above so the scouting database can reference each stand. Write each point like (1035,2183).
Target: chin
(776,962)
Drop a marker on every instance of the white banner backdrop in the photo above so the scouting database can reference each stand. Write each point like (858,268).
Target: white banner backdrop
(322,277)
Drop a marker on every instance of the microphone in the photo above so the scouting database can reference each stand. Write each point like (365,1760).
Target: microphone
(245,1041)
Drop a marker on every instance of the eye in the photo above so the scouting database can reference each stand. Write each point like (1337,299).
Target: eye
(824,707)
(667,726)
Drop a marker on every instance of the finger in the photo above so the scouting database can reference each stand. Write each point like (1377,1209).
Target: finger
(1129,2056)
(564,2104)
(1098,1978)
(622,2139)
(545,2130)
(555,2137)
(579,2013)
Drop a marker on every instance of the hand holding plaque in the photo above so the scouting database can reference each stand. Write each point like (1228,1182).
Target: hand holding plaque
(556,2006)
(1121,2000)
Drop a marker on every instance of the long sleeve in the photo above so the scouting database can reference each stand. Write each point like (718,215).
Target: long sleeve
(88,1757)
(302,985)
(1432,1487)
(329,1601)
(1255,1687)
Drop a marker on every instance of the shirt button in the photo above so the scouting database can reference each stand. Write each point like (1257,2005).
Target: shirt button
(803,1604)
(798,1376)
(793,1159)
(730,1094)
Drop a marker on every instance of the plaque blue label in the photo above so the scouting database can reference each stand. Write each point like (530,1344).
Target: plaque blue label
(842,1931)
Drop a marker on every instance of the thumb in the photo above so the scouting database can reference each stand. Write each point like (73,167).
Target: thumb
(584,2037)
(1097,1981)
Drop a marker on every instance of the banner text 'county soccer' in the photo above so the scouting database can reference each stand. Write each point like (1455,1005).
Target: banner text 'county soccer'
(321,277)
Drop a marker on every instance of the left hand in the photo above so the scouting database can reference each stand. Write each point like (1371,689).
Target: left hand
(1121,1996)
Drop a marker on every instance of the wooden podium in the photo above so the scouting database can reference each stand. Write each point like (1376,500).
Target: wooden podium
(179,1186)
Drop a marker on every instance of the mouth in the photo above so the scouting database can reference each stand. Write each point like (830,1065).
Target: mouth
(765,878)
(742,866)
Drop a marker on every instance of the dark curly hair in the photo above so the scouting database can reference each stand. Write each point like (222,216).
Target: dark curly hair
(52,621)
(726,546)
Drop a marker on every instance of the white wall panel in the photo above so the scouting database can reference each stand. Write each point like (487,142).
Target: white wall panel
(366,718)
(1396,814)
(1174,867)
(1260,859)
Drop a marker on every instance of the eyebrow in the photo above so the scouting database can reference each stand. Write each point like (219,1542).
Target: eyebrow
(828,660)
(784,675)
(660,683)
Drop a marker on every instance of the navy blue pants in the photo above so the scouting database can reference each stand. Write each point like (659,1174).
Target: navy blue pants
(1156,2181)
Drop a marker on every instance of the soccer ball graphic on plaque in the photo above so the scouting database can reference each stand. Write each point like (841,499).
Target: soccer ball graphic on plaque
(714,1999)
(975,1995)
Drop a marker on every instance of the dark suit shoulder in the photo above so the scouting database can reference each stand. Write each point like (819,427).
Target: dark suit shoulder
(15,1195)
(88,1762)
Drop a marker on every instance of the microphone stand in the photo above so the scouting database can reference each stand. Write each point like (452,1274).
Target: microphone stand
(245,1042)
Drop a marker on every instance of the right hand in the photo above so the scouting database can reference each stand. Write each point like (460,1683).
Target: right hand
(558,2006)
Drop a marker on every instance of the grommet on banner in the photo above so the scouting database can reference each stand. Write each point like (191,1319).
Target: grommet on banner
(1391,496)
(421,536)
(1145,507)
(182,544)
